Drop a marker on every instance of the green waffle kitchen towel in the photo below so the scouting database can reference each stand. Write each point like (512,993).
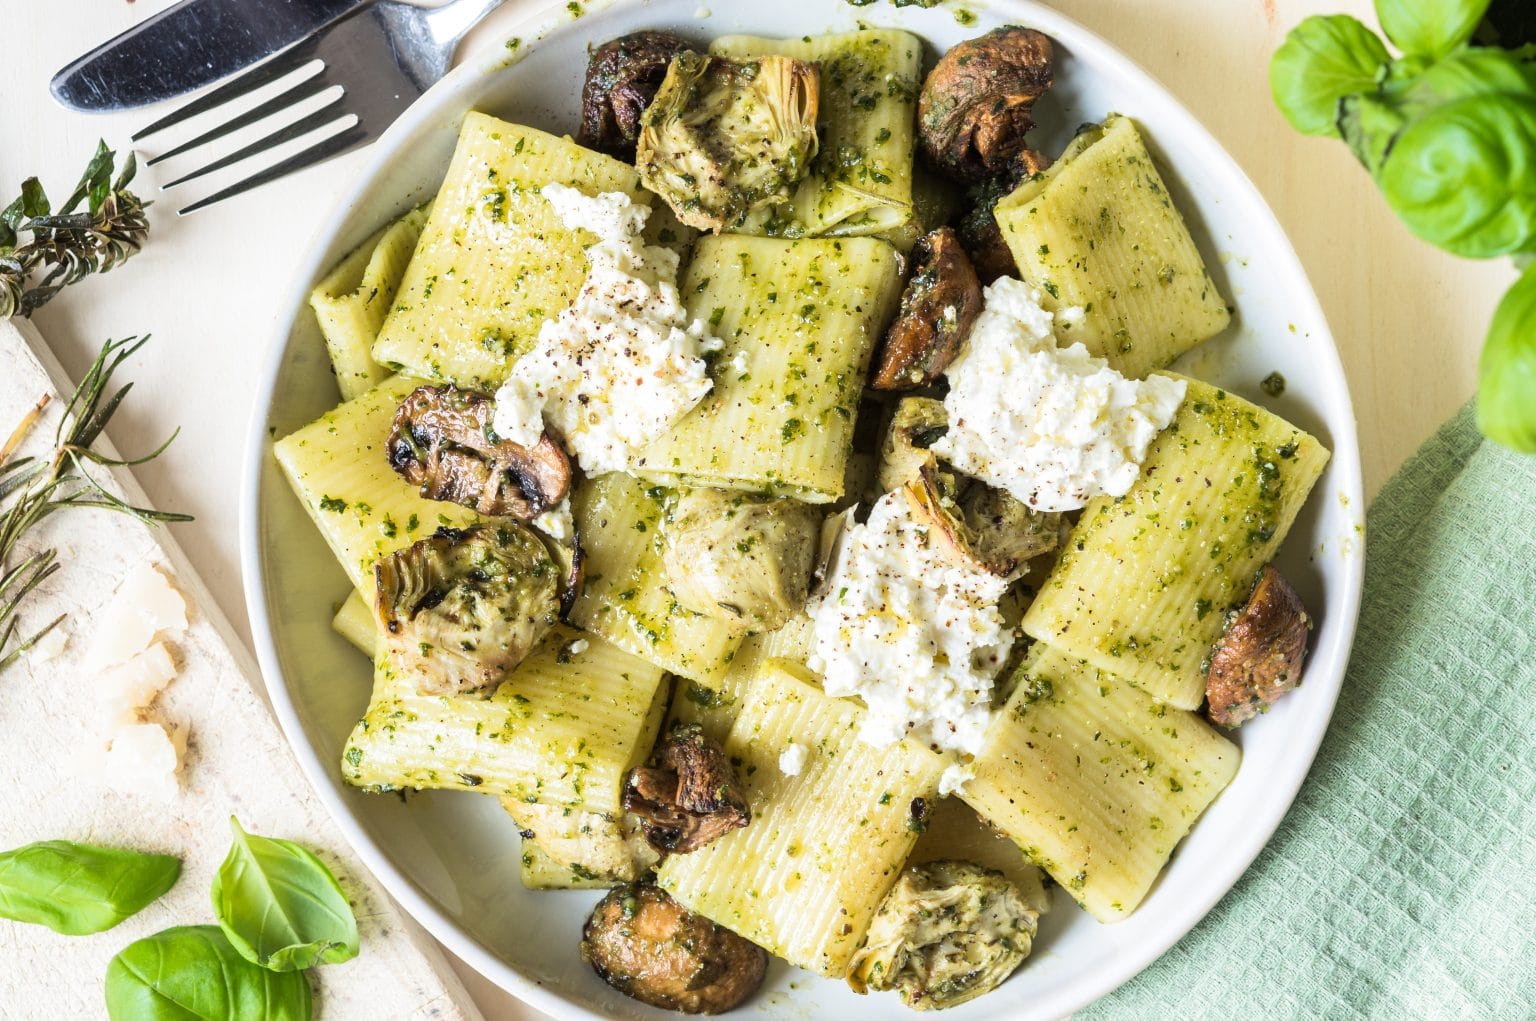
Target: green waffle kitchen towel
(1402,885)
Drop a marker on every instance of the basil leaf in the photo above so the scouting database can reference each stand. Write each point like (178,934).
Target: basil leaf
(1431,28)
(280,906)
(1463,176)
(1465,75)
(1323,60)
(191,973)
(78,889)
(1506,391)
(1369,125)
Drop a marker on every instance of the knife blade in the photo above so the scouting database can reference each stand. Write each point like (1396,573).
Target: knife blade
(186,47)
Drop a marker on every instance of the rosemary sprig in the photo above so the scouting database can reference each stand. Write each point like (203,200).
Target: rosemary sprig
(33,488)
(69,243)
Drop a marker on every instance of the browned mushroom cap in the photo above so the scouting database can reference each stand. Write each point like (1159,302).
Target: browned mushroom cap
(442,441)
(974,109)
(980,235)
(938,309)
(689,797)
(1259,658)
(648,946)
(622,78)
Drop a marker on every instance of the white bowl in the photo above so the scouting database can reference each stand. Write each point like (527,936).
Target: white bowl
(451,859)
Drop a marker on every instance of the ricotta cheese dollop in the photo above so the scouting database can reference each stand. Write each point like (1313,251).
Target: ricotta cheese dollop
(1053,426)
(912,630)
(624,362)
(792,759)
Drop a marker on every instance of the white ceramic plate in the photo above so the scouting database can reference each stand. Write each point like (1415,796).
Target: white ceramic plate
(451,859)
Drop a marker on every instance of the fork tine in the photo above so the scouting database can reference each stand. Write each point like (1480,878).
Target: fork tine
(270,70)
(304,125)
(334,145)
(301,90)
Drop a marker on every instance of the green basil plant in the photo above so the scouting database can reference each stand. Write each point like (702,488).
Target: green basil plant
(1447,128)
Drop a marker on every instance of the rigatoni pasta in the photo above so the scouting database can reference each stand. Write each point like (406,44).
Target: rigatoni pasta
(1145,581)
(799,320)
(806,876)
(1098,232)
(625,599)
(351,302)
(494,260)
(1096,781)
(339,469)
(563,729)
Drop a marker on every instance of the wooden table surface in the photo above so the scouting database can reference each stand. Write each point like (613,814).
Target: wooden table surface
(1409,320)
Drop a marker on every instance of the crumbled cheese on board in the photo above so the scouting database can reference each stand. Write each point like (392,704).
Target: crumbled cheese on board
(914,632)
(624,362)
(145,605)
(136,754)
(1053,426)
(144,759)
(125,691)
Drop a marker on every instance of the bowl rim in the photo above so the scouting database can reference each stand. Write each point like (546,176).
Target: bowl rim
(537,24)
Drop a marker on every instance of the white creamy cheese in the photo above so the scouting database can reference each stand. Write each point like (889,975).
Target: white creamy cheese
(624,362)
(558,522)
(954,778)
(1053,426)
(792,759)
(913,631)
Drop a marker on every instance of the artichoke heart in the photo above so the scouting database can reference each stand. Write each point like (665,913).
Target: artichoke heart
(947,932)
(724,138)
(740,558)
(460,609)
(984,527)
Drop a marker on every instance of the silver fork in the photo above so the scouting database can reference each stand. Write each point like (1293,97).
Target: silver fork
(383,56)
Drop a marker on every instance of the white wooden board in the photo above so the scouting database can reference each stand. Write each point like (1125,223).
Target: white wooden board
(237,763)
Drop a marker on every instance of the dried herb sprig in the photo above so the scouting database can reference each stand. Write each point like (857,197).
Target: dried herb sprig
(68,243)
(32,488)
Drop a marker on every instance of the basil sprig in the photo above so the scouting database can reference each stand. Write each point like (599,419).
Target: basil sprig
(77,889)
(1448,131)
(280,906)
(193,972)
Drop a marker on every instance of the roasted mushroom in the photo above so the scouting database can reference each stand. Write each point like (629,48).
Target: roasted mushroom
(1259,658)
(979,233)
(460,609)
(689,797)
(443,442)
(947,932)
(724,138)
(740,558)
(622,78)
(649,947)
(938,308)
(974,109)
